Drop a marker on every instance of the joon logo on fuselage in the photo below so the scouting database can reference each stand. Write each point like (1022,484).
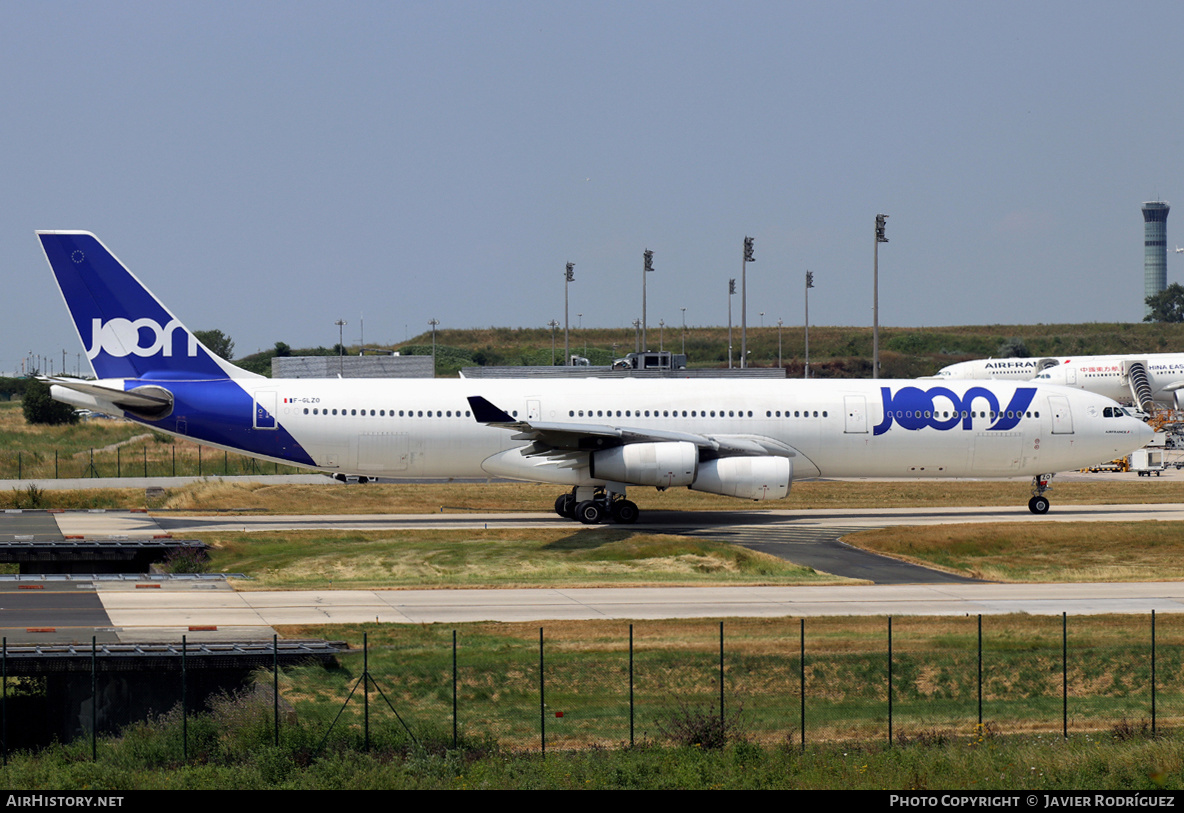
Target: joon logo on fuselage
(941,408)
(144,337)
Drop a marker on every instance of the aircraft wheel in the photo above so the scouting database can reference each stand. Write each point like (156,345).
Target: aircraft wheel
(564,504)
(589,513)
(625,512)
(1038,505)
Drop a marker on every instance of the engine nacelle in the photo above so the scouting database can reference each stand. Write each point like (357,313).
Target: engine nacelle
(749,478)
(648,464)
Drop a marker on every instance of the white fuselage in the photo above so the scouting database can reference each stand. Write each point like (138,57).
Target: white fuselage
(835,428)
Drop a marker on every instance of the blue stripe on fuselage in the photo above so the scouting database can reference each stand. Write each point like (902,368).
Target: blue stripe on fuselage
(222,412)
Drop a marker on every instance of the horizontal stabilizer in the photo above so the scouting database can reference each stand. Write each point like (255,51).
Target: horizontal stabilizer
(148,401)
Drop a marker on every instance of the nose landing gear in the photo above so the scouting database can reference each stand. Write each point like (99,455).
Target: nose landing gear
(1039,503)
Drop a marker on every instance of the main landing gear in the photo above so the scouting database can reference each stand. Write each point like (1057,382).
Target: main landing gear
(1040,484)
(591,506)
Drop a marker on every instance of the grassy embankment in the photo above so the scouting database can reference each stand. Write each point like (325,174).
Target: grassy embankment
(104,448)
(675,669)
(834,351)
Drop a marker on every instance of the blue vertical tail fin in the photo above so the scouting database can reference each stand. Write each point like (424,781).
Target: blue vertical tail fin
(124,328)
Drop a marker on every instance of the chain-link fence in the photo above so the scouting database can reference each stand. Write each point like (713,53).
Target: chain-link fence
(141,459)
(772,681)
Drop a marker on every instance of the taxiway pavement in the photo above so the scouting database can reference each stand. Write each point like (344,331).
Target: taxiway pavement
(130,612)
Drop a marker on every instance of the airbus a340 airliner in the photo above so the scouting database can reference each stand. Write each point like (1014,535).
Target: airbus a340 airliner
(596,437)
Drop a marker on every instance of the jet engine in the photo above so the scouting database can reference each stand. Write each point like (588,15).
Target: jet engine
(663,464)
(749,478)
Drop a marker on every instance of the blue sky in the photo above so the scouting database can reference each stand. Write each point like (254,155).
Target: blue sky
(268,168)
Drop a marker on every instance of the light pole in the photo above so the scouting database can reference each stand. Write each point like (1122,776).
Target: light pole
(568,277)
(684,331)
(553,324)
(661,335)
(779,343)
(433,322)
(341,323)
(880,238)
(748,258)
(809,285)
(581,329)
(731,290)
(647,267)
(636,335)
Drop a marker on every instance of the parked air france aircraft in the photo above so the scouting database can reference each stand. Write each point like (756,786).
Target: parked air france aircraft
(595,437)
(1142,378)
(1024,369)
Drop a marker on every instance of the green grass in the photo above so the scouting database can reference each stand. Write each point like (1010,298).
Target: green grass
(143,760)
(935,678)
(938,744)
(834,351)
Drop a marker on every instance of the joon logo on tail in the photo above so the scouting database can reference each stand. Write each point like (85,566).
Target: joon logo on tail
(942,408)
(144,338)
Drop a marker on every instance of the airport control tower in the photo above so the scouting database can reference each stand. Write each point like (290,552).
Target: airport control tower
(1155,248)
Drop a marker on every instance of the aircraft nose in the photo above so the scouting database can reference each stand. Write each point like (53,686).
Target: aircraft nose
(1145,433)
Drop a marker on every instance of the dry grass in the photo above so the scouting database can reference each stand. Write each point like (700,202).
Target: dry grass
(504,558)
(1031,552)
(434,498)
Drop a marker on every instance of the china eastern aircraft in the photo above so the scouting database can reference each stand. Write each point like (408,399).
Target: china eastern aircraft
(1144,379)
(595,437)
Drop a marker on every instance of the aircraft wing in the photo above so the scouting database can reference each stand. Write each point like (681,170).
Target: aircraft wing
(548,437)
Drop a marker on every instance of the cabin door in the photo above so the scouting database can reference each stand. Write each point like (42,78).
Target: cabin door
(855,408)
(1062,418)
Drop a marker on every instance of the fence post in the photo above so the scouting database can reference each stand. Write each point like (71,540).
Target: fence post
(980,672)
(1153,673)
(18,465)
(721,675)
(184,704)
(4,700)
(889,681)
(365,686)
(55,464)
(802,675)
(542,698)
(118,461)
(275,683)
(455,725)
(94,700)
(631,718)
(1064,674)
